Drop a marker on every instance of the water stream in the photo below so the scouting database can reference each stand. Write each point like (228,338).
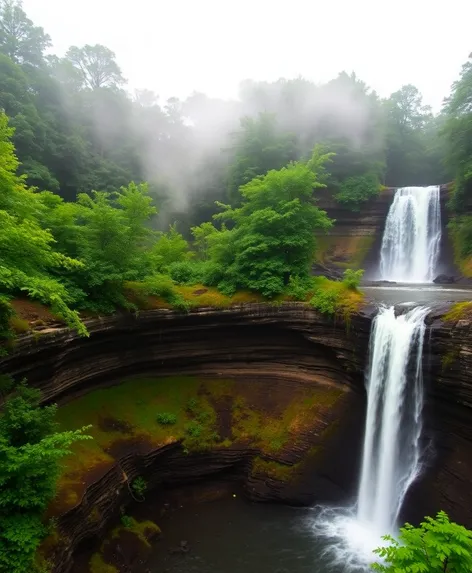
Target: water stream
(391,457)
(412,235)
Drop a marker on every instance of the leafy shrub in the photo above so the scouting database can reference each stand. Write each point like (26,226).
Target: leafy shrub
(139,486)
(325,300)
(299,287)
(170,248)
(354,191)
(127,521)
(436,545)
(185,272)
(163,286)
(211,273)
(192,405)
(166,419)
(193,429)
(352,279)
(6,312)
(30,449)
(336,297)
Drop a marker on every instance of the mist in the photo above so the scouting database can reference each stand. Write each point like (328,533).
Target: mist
(99,133)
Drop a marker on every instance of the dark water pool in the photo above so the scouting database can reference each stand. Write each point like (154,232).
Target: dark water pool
(232,535)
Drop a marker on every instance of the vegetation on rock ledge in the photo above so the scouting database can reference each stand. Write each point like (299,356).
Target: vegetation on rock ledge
(31,448)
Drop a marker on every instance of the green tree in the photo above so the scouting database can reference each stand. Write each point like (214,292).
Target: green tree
(411,132)
(170,247)
(96,65)
(436,545)
(259,146)
(458,133)
(27,257)
(109,235)
(273,237)
(20,40)
(30,450)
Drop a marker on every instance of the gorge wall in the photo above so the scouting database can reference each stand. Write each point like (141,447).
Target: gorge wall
(288,346)
(355,239)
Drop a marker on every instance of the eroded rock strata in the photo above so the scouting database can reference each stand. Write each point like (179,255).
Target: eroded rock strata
(270,345)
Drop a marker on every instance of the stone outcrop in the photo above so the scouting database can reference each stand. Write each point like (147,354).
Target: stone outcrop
(286,344)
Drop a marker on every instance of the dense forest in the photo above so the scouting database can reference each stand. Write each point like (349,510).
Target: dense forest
(102,191)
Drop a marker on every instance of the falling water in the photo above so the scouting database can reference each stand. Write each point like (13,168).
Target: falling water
(392,456)
(410,244)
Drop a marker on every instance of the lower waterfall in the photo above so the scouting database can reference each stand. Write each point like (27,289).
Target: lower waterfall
(391,457)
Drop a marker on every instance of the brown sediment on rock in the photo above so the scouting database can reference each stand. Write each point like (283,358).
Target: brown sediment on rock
(279,349)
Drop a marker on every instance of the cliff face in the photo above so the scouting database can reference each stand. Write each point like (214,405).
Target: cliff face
(446,482)
(271,346)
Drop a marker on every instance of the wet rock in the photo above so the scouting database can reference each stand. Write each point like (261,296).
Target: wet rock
(378,283)
(330,272)
(444,279)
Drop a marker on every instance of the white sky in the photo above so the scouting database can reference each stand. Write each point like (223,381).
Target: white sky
(176,46)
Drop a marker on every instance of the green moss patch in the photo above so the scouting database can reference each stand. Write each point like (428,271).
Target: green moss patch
(273,469)
(205,410)
(459,311)
(144,530)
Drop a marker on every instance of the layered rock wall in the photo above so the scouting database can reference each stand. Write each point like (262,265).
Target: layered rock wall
(290,344)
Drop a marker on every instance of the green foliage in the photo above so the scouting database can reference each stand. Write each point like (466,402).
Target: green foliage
(166,418)
(30,451)
(27,256)
(185,272)
(354,191)
(6,312)
(298,288)
(170,249)
(436,545)
(260,146)
(126,521)
(273,233)
(139,486)
(352,279)
(163,286)
(193,429)
(457,130)
(337,297)
(460,229)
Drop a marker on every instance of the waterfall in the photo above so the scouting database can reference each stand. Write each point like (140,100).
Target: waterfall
(410,243)
(391,457)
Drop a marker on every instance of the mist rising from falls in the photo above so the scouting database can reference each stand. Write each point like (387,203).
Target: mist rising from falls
(412,235)
(391,456)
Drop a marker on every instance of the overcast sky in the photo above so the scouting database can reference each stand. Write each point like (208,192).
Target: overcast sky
(177,46)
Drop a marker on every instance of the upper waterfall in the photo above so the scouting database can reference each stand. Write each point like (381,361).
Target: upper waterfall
(410,244)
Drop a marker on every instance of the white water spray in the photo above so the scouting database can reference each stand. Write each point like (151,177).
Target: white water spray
(412,235)
(391,458)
